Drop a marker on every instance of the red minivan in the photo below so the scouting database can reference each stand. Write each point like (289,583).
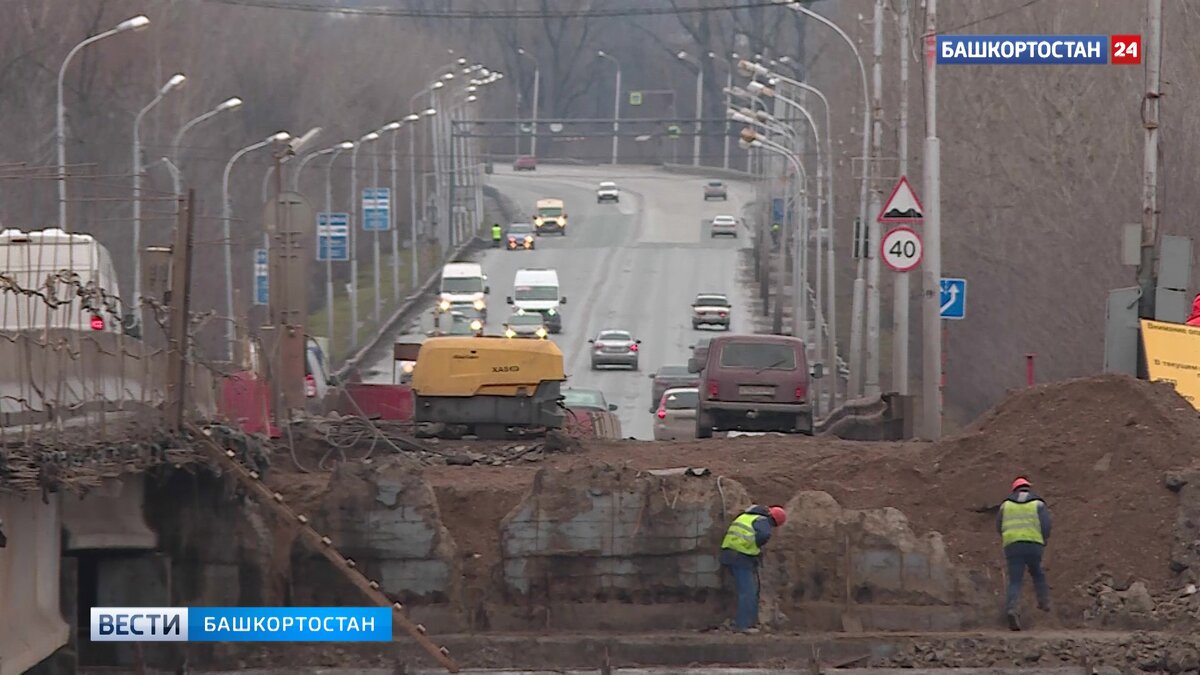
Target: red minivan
(754,383)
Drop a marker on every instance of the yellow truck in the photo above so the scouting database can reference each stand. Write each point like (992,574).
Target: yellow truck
(551,216)
(491,387)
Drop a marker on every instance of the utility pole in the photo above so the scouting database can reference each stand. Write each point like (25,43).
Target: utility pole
(1149,245)
(900,298)
(181,267)
(871,381)
(376,309)
(931,267)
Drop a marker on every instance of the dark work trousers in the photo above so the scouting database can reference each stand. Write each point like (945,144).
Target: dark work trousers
(745,581)
(1024,555)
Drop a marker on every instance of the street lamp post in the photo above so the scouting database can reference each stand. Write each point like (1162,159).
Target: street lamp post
(414,251)
(861,380)
(226,215)
(378,307)
(60,132)
(616,105)
(337,150)
(728,101)
(537,77)
(412,155)
(354,225)
(227,104)
(175,81)
(684,56)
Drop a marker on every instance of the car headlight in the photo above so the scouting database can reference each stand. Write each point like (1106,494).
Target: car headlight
(480,304)
(541,332)
(552,311)
(508,332)
(444,305)
(407,366)
(528,239)
(476,325)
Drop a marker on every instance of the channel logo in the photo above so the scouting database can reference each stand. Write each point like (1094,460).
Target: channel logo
(241,624)
(1039,49)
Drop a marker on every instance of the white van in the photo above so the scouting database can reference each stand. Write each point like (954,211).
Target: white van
(463,283)
(32,258)
(535,289)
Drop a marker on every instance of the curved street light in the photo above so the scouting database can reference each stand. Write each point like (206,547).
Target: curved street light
(136,23)
(174,82)
(537,78)
(226,215)
(354,215)
(228,104)
(616,103)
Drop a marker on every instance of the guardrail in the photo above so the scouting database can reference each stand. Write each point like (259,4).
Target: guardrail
(884,418)
(708,171)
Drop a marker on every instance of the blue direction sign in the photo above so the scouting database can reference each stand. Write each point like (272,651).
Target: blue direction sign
(376,209)
(954,298)
(262,292)
(333,237)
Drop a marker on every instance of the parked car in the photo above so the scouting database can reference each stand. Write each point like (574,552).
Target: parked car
(525,163)
(586,399)
(754,383)
(615,348)
(608,192)
(715,189)
(676,416)
(711,309)
(667,377)
(317,379)
(724,226)
(520,237)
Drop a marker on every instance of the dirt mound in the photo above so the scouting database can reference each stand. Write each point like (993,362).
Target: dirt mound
(1096,449)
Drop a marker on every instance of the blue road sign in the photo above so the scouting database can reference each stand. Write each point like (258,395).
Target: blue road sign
(262,292)
(777,211)
(376,209)
(954,298)
(333,237)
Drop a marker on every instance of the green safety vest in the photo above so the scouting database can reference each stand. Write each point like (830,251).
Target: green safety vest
(740,535)
(496,232)
(1020,522)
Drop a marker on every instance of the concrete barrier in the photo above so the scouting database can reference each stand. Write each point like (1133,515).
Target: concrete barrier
(885,418)
(708,171)
(31,624)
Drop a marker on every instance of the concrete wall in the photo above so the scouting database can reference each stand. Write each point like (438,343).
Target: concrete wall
(31,626)
(109,517)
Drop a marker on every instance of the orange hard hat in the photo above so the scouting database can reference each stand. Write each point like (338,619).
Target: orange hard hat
(1020,482)
(778,515)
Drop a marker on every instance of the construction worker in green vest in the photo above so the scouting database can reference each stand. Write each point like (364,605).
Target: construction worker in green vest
(497,235)
(775,231)
(741,551)
(1024,526)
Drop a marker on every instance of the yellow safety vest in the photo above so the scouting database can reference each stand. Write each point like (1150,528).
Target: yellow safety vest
(1020,522)
(740,536)
(496,233)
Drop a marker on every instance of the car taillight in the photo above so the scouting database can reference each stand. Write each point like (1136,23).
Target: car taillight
(712,389)
(633,348)
(800,393)
(97,322)
(724,314)
(662,414)
(310,386)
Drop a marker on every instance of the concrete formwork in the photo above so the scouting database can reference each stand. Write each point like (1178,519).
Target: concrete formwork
(31,625)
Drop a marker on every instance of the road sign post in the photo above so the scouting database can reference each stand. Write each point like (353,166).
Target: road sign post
(953,298)
(903,206)
(376,208)
(901,249)
(262,289)
(333,237)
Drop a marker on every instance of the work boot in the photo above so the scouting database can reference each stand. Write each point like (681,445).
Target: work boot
(1014,621)
(1044,605)
(750,631)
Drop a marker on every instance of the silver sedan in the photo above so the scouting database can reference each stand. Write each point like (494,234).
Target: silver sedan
(615,348)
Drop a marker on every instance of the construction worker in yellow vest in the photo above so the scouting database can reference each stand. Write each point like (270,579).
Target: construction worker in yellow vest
(1024,526)
(497,235)
(741,550)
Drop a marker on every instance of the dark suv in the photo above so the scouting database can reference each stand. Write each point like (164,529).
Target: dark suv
(754,383)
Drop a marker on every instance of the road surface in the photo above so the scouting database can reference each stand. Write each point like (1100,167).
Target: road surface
(636,266)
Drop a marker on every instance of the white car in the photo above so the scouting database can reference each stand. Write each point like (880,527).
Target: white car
(725,226)
(608,192)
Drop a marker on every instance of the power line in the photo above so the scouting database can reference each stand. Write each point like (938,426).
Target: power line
(491,14)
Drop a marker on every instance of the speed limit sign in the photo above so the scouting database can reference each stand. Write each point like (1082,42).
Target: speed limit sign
(901,249)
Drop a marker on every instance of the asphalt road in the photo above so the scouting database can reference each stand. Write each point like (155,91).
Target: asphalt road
(636,265)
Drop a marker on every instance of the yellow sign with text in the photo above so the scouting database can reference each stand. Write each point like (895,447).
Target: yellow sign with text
(1173,355)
